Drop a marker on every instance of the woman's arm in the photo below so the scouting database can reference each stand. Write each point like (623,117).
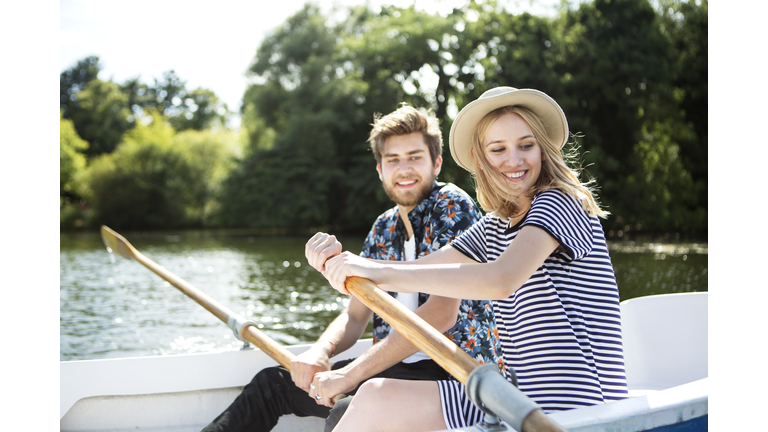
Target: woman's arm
(322,247)
(450,273)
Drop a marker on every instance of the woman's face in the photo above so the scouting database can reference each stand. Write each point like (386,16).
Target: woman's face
(510,146)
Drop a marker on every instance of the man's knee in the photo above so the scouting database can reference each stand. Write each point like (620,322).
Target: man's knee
(271,377)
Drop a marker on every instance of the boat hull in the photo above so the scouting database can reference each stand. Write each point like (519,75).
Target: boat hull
(168,393)
(665,346)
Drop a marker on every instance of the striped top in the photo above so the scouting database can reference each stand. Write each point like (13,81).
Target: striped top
(561,331)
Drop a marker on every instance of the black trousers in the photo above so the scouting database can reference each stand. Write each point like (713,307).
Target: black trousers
(272,394)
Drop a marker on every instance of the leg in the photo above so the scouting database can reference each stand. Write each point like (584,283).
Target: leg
(416,404)
(336,413)
(268,396)
(426,370)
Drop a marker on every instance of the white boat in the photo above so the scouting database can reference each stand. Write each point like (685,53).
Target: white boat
(665,351)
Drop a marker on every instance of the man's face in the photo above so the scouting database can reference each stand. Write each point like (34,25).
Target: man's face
(406,169)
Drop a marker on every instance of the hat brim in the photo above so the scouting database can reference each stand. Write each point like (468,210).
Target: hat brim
(548,111)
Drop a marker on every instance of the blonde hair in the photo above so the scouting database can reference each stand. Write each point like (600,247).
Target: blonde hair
(494,193)
(403,121)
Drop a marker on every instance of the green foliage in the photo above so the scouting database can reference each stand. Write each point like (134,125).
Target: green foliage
(658,182)
(631,78)
(519,50)
(71,161)
(101,116)
(685,24)
(308,127)
(619,91)
(158,178)
(102,111)
(72,215)
(615,66)
(74,79)
(197,109)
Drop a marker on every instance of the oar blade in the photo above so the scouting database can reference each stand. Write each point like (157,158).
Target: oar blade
(116,243)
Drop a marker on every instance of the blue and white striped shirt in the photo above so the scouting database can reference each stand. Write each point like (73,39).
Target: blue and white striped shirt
(561,331)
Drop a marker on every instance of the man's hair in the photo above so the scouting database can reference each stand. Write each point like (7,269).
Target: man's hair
(403,121)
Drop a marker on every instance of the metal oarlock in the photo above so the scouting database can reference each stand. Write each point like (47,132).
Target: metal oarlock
(496,397)
(490,423)
(237,323)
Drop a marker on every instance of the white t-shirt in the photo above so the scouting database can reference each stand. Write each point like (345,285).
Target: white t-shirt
(411,300)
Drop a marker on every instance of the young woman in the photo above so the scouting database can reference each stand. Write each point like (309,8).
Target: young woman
(540,254)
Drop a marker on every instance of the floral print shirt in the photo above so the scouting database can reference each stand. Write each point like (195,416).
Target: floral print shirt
(436,221)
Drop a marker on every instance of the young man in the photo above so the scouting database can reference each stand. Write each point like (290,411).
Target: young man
(407,145)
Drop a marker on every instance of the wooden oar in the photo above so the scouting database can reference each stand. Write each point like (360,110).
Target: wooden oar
(117,243)
(455,361)
(445,353)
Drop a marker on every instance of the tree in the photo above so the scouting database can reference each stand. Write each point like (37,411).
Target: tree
(198,109)
(631,80)
(71,161)
(157,178)
(74,79)
(96,108)
(101,116)
(619,94)
(521,51)
(404,55)
(685,23)
(306,126)
(103,110)
(201,109)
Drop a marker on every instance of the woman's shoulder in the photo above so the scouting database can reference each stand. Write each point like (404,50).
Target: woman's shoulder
(556,205)
(556,197)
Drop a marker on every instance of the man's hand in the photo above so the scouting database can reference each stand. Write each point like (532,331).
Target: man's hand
(320,248)
(305,365)
(331,383)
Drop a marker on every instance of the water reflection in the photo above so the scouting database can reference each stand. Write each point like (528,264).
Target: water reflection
(112,307)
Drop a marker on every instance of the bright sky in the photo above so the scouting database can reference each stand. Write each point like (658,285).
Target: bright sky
(207,44)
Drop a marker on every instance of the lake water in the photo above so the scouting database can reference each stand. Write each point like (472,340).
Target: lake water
(112,307)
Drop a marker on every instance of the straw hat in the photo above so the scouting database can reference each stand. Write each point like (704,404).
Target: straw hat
(545,107)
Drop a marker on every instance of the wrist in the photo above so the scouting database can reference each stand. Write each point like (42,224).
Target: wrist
(353,372)
(328,346)
(383,273)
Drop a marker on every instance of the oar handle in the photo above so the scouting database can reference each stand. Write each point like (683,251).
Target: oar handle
(445,353)
(118,244)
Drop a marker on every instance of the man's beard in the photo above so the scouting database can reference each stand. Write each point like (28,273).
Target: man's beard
(411,197)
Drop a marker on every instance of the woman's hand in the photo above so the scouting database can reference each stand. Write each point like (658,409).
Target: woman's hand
(340,267)
(320,248)
(326,385)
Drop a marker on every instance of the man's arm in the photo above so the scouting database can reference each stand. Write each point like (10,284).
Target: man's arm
(341,334)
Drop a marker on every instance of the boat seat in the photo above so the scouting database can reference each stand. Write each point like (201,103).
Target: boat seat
(665,341)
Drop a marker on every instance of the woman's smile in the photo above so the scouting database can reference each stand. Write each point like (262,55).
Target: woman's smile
(516,175)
